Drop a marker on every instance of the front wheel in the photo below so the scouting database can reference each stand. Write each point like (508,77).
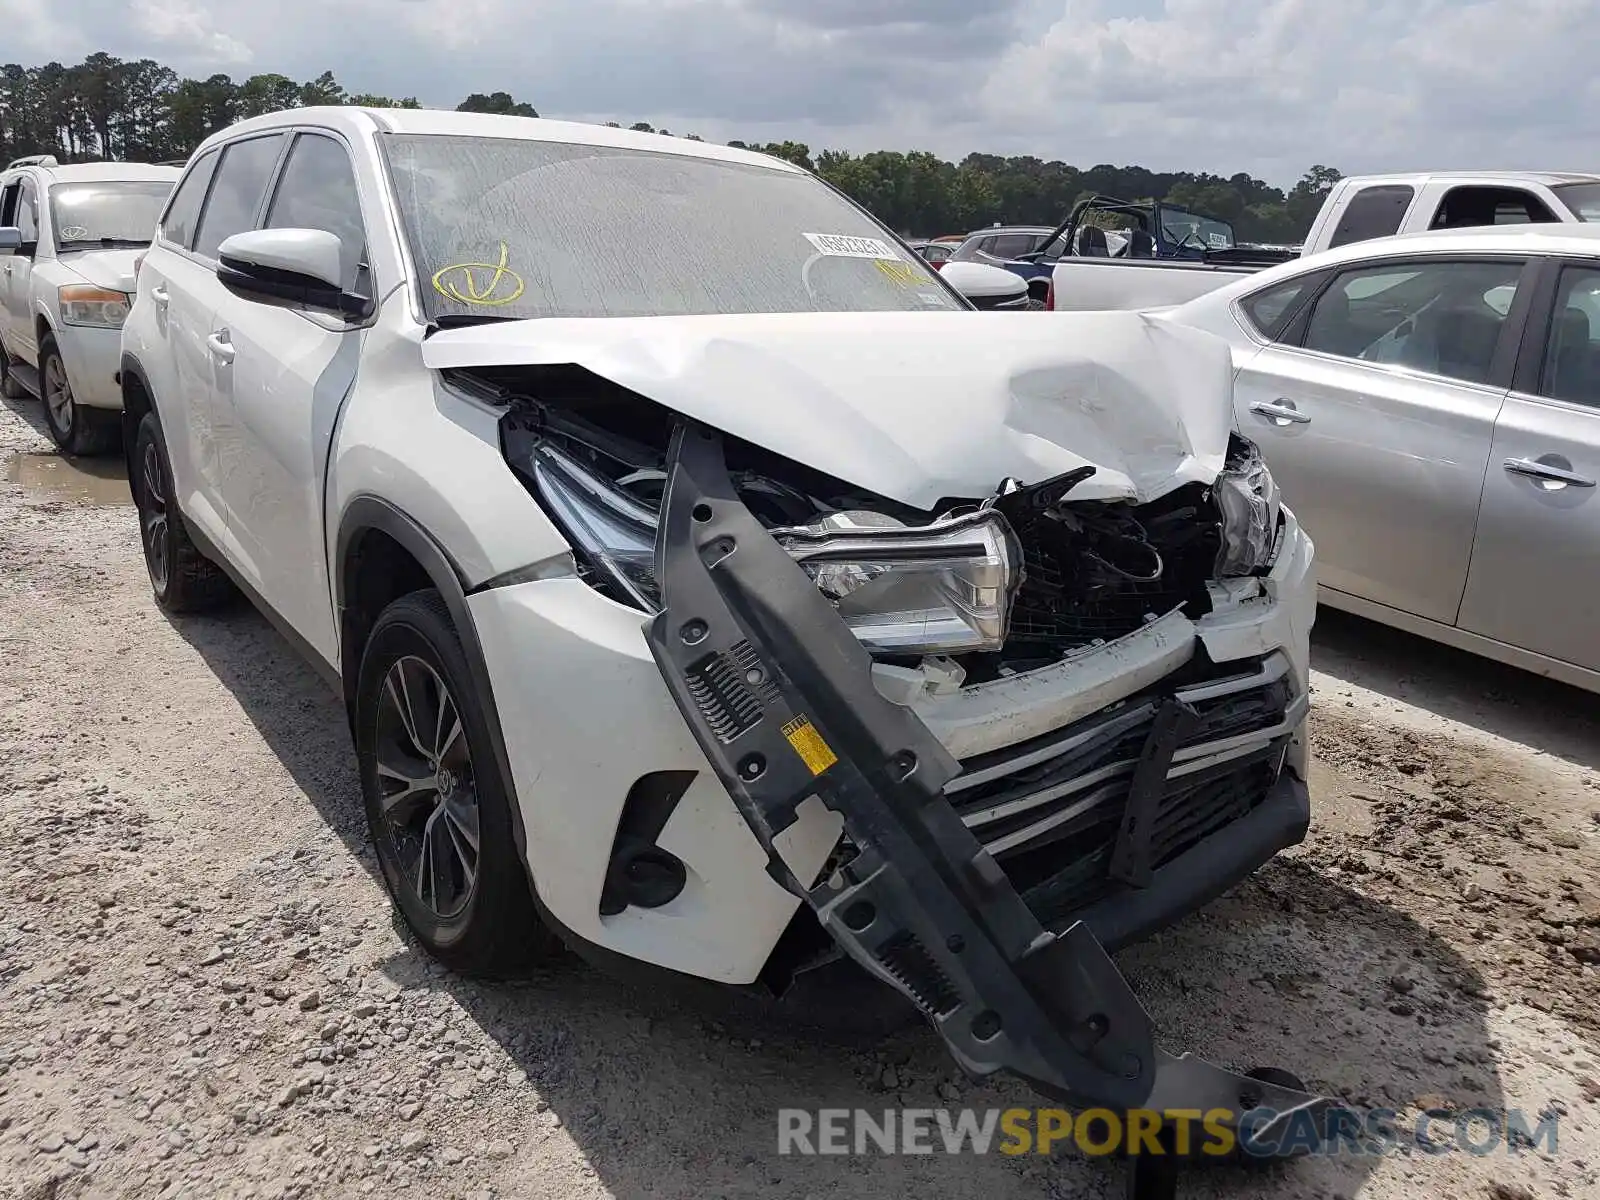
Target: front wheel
(438,811)
(77,430)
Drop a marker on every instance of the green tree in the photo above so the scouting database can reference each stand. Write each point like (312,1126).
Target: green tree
(496,102)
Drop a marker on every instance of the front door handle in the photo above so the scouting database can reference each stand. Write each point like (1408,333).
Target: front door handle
(1281,412)
(221,347)
(160,296)
(1550,476)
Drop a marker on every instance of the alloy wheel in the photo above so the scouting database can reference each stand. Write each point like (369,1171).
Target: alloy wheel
(58,392)
(153,515)
(427,787)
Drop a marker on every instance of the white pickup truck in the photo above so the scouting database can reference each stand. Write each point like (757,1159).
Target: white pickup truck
(1356,209)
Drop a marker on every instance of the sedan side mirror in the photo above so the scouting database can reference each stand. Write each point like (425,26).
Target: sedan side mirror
(288,266)
(10,239)
(987,287)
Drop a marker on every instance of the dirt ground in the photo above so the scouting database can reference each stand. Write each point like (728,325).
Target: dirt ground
(203,993)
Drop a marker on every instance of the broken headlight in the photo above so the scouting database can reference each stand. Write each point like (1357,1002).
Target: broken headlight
(1247,498)
(943,588)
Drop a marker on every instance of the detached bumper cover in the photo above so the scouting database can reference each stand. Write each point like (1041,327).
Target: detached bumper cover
(779,696)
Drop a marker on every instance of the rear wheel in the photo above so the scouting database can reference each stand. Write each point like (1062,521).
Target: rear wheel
(438,811)
(183,579)
(77,430)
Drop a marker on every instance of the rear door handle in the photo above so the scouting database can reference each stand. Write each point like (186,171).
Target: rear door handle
(160,296)
(1547,473)
(221,347)
(1281,412)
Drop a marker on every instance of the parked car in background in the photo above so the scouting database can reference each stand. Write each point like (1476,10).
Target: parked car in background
(69,236)
(614,639)
(1430,405)
(1356,209)
(936,253)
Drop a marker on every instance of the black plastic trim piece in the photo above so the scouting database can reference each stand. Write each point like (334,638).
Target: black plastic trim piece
(916,900)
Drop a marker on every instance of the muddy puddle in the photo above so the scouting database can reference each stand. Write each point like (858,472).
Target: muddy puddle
(88,481)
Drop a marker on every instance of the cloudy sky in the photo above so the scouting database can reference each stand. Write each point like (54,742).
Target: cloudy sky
(1265,86)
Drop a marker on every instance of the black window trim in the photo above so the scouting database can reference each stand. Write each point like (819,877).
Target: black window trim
(1507,352)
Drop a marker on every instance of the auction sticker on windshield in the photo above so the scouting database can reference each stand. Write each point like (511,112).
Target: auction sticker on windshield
(840,246)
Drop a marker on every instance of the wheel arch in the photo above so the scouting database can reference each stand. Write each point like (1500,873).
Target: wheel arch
(380,554)
(137,400)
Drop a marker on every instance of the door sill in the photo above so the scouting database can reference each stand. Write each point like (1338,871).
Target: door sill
(1460,639)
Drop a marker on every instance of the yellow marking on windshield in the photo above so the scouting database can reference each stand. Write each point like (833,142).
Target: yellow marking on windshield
(457,282)
(903,273)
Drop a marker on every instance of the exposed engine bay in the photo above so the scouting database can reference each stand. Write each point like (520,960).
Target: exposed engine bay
(996,585)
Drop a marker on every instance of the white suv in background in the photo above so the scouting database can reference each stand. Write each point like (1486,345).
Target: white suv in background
(484,412)
(68,240)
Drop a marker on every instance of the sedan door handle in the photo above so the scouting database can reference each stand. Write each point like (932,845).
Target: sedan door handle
(1283,412)
(160,296)
(221,347)
(1547,473)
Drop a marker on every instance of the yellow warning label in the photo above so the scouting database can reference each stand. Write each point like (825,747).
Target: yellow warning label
(808,744)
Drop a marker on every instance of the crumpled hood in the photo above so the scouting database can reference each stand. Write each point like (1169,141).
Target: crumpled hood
(104,268)
(917,407)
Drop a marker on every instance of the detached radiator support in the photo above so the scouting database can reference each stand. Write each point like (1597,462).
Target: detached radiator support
(779,695)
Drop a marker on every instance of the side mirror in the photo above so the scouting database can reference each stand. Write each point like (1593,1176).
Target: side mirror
(10,239)
(987,287)
(288,266)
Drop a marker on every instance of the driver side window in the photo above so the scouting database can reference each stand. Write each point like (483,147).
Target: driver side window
(28,213)
(318,191)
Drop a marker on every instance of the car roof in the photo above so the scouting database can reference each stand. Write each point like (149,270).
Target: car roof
(356,121)
(1543,238)
(1547,178)
(102,172)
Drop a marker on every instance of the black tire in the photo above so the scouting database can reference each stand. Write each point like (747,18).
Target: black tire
(10,386)
(79,431)
(477,918)
(183,579)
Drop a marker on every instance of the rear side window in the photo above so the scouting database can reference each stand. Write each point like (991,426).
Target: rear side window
(1269,309)
(1373,212)
(1470,206)
(237,192)
(177,226)
(317,190)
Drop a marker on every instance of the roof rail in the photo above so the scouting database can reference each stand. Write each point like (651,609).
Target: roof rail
(173,162)
(34,160)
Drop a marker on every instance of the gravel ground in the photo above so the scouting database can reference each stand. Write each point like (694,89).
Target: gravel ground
(203,993)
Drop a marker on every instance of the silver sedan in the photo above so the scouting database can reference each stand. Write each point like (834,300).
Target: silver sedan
(1430,407)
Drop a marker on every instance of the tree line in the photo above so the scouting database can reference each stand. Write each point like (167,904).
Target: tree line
(110,108)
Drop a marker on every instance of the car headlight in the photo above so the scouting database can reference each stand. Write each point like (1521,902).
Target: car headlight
(96,307)
(943,588)
(1247,497)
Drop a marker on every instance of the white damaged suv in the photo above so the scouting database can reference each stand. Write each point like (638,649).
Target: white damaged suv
(682,547)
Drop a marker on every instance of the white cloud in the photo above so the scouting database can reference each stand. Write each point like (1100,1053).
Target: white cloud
(1265,86)
(180,26)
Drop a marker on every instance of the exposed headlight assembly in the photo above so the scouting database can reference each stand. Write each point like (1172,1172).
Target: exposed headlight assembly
(1247,497)
(944,588)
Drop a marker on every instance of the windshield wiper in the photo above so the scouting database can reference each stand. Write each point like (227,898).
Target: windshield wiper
(105,243)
